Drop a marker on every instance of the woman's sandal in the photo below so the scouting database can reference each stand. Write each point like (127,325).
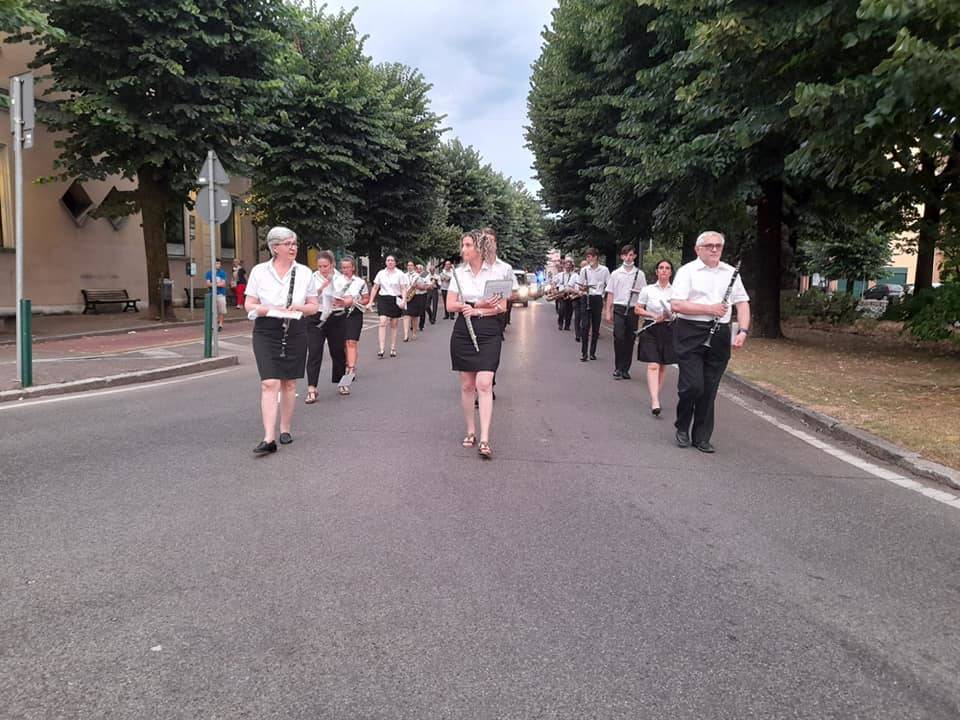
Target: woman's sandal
(311,397)
(343,390)
(470,440)
(484,449)
(380,354)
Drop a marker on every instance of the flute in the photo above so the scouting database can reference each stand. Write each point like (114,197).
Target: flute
(469,321)
(726,299)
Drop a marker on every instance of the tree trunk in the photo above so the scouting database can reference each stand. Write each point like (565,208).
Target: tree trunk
(687,251)
(765,308)
(152,198)
(927,245)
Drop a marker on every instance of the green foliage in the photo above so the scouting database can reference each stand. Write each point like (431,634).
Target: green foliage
(817,306)
(910,307)
(848,256)
(939,318)
(18,15)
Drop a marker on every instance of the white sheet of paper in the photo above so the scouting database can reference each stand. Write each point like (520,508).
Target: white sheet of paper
(284,314)
(503,288)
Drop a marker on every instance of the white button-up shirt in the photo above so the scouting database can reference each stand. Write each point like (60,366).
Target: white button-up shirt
(391,283)
(504,271)
(564,280)
(624,285)
(471,285)
(596,279)
(269,288)
(697,283)
(327,294)
(656,299)
(444,280)
(355,287)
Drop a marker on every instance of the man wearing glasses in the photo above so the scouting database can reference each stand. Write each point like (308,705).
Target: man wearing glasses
(699,290)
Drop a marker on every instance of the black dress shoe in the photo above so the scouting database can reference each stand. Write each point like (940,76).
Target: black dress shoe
(592,356)
(617,375)
(704,446)
(626,375)
(683,439)
(655,411)
(583,358)
(265,447)
(286,438)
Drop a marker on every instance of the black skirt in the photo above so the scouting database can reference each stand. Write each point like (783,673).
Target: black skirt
(416,306)
(656,345)
(353,325)
(268,346)
(464,357)
(387,306)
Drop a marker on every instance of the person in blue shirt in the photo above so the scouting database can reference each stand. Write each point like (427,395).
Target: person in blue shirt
(221,292)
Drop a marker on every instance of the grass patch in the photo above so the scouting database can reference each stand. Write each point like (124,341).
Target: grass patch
(868,376)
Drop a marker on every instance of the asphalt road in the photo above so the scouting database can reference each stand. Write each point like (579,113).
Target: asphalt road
(152,568)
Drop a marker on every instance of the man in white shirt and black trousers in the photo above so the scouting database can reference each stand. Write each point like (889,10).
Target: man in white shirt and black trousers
(698,301)
(592,281)
(622,293)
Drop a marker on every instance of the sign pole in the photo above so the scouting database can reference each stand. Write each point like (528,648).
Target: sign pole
(214,339)
(21,116)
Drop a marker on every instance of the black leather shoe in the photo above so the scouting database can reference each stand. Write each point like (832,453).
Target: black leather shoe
(286,438)
(626,375)
(704,446)
(576,338)
(683,439)
(583,358)
(617,375)
(655,411)
(265,447)
(592,356)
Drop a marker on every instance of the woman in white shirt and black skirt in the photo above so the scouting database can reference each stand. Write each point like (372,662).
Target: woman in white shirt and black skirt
(656,338)
(475,363)
(352,297)
(389,286)
(279,344)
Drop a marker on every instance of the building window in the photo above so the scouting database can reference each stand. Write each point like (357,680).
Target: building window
(76,202)
(228,234)
(176,231)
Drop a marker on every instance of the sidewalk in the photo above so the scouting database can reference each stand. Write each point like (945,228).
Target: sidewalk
(79,352)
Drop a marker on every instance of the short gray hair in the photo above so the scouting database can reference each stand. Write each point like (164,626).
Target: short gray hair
(704,236)
(279,234)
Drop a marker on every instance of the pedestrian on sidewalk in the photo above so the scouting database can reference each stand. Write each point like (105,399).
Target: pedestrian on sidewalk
(284,286)
(240,282)
(221,293)
(656,338)
(704,293)
(478,363)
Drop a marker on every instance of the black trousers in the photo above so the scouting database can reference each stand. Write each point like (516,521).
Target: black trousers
(432,305)
(590,316)
(577,315)
(566,313)
(624,336)
(443,299)
(701,369)
(332,332)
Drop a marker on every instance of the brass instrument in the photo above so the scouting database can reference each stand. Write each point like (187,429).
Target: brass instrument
(412,290)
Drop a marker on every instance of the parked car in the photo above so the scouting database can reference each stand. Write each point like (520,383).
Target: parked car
(884,291)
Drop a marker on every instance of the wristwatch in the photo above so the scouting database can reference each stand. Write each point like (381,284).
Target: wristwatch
(745,331)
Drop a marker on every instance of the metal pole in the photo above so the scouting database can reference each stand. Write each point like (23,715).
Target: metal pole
(214,337)
(18,219)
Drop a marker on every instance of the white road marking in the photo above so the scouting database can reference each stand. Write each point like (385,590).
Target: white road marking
(158,352)
(940,496)
(21,404)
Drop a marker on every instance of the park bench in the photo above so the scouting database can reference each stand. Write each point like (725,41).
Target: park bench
(92,298)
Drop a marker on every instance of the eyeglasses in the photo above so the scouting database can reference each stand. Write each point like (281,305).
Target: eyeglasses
(712,246)
(288,244)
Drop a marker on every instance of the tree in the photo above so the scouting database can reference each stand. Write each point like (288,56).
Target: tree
(150,87)
(849,257)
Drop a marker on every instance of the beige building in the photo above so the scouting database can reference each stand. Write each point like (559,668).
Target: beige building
(66,250)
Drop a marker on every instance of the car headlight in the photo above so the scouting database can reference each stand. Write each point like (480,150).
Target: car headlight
(522,293)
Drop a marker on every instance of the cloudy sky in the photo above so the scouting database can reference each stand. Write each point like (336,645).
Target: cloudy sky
(477,55)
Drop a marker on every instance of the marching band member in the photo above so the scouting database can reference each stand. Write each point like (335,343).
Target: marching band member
(424,285)
(656,338)
(703,292)
(389,287)
(475,363)
(592,282)
(279,344)
(625,283)
(411,312)
(352,297)
(576,294)
(502,270)
(433,293)
(564,284)
(326,327)
(445,275)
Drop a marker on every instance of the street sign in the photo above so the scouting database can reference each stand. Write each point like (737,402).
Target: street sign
(220,176)
(222,204)
(22,108)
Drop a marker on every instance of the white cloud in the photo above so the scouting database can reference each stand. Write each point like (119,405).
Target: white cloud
(477,56)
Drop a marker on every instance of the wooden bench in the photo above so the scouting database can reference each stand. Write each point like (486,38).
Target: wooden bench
(92,298)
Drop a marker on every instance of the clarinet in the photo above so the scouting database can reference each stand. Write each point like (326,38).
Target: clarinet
(726,298)
(286,321)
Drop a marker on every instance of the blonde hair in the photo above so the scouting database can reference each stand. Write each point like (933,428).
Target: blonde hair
(483,242)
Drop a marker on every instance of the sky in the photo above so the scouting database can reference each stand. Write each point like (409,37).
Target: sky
(477,56)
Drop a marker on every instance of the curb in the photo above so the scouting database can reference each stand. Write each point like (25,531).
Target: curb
(130,378)
(118,331)
(865,441)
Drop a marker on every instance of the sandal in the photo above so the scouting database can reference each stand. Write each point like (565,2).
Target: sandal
(484,449)
(343,390)
(311,397)
(470,440)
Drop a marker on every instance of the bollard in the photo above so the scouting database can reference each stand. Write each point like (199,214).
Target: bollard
(26,344)
(208,325)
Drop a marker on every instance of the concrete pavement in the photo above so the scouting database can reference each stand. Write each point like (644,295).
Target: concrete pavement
(374,569)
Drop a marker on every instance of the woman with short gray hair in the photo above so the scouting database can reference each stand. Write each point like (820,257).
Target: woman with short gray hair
(277,292)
